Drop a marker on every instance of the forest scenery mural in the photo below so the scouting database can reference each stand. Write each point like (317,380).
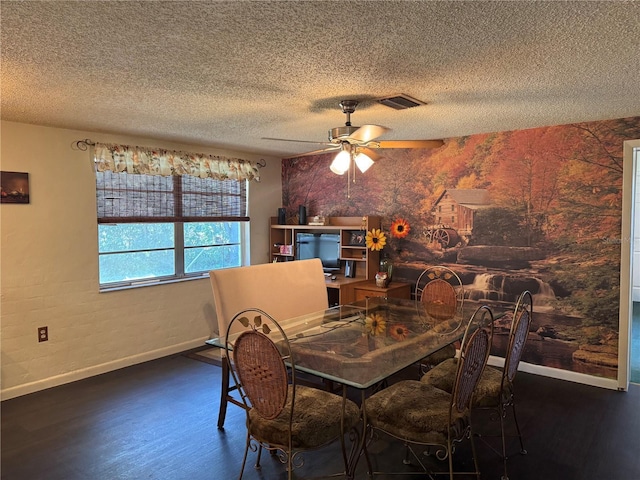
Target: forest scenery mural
(537,209)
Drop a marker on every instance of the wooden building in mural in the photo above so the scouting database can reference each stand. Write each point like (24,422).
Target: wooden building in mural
(454,211)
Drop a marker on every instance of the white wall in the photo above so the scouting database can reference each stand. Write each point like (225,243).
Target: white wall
(49,269)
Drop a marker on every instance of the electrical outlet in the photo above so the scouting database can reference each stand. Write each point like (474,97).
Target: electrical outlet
(43,334)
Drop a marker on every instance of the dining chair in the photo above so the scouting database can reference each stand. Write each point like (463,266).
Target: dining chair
(282,416)
(440,291)
(266,286)
(495,389)
(420,414)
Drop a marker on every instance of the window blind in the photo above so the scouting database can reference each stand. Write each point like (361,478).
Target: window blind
(134,198)
(188,187)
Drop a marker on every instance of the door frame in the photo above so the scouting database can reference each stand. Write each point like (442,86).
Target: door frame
(631,155)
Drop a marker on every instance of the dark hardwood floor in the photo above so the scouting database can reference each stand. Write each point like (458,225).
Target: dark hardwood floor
(157,420)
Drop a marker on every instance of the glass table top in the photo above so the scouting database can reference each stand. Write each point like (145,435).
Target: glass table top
(362,343)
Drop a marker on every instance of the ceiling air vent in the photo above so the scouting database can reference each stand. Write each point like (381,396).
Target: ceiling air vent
(400,102)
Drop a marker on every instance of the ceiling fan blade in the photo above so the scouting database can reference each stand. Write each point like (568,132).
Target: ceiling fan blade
(408,144)
(315,152)
(372,154)
(368,132)
(289,140)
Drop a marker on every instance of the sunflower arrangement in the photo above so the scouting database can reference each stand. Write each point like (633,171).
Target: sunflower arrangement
(375,239)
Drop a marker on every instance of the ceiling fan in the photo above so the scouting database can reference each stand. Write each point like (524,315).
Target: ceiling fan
(358,143)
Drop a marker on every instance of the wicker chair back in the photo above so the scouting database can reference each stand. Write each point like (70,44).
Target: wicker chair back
(439,299)
(262,373)
(522,316)
(474,353)
(440,290)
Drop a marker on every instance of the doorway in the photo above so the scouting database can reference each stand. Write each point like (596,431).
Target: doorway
(634,353)
(634,327)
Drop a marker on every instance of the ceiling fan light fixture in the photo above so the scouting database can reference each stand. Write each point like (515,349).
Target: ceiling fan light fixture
(363,162)
(341,163)
(358,145)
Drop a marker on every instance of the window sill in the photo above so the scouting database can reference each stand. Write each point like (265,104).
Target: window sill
(152,283)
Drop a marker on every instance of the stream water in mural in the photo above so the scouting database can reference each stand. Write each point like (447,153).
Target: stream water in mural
(550,342)
(552,353)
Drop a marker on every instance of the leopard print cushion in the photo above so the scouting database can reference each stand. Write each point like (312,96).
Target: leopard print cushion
(316,420)
(440,356)
(487,392)
(411,410)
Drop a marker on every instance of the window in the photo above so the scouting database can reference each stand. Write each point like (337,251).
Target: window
(135,253)
(155,228)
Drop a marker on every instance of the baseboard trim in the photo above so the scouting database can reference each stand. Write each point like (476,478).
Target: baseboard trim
(609,383)
(24,389)
(57,380)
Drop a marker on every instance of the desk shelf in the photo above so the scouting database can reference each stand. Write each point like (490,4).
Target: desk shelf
(366,262)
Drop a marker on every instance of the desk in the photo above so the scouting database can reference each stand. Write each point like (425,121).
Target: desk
(342,289)
(369,288)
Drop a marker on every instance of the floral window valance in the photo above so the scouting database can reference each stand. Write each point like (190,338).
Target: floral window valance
(148,161)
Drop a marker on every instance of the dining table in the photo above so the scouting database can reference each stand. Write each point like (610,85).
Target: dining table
(362,344)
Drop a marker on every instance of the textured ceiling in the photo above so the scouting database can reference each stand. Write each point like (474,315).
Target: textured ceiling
(226,74)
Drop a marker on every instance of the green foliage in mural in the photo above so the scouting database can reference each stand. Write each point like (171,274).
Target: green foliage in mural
(503,226)
(593,281)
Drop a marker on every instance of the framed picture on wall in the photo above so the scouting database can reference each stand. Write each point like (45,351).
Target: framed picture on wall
(14,187)
(357,238)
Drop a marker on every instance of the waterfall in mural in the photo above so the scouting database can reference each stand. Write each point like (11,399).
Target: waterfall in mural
(485,287)
(543,299)
(498,287)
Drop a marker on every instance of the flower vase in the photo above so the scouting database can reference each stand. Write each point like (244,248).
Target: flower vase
(386,267)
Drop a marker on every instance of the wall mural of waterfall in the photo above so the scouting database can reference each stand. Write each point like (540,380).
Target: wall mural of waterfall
(536,209)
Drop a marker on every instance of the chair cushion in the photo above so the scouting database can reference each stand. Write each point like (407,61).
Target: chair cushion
(436,358)
(411,410)
(487,392)
(442,375)
(316,419)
